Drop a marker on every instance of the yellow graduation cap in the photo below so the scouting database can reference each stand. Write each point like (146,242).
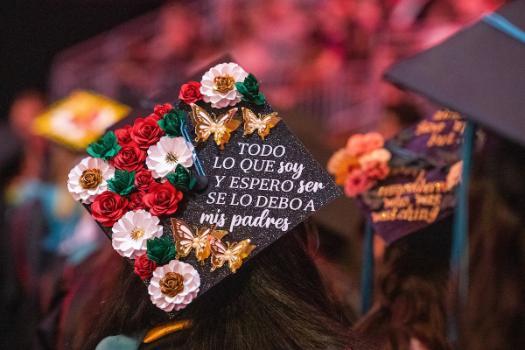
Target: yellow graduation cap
(79,119)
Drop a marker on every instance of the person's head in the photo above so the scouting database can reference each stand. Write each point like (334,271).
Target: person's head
(25,108)
(275,301)
(411,297)
(495,307)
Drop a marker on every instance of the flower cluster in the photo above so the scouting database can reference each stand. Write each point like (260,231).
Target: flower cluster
(360,164)
(133,177)
(224,85)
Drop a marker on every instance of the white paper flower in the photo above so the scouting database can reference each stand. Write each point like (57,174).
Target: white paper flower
(218,85)
(380,155)
(169,152)
(89,178)
(133,230)
(173,286)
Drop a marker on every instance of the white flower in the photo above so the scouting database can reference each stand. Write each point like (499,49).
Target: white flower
(218,85)
(89,178)
(454,175)
(133,230)
(169,152)
(380,155)
(173,286)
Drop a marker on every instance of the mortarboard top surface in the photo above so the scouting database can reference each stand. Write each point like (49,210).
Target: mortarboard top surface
(478,72)
(258,189)
(418,191)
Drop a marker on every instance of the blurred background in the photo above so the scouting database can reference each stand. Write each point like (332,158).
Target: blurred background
(319,63)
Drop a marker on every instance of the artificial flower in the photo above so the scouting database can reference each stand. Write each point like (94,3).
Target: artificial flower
(143,267)
(454,175)
(249,90)
(357,182)
(89,178)
(146,132)
(143,180)
(106,147)
(135,201)
(190,92)
(376,170)
(129,158)
(173,286)
(123,135)
(131,233)
(381,155)
(162,199)
(108,207)
(218,85)
(161,250)
(181,178)
(340,164)
(360,144)
(123,182)
(171,123)
(167,154)
(162,109)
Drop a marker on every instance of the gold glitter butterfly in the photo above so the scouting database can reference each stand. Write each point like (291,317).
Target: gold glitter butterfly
(231,253)
(198,239)
(262,123)
(221,127)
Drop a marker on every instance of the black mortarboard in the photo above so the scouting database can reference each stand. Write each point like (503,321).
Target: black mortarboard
(191,191)
(478,72)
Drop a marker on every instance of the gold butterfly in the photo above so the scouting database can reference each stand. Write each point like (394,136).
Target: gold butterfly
(261,123)
(206,125)
(198,239)
(232,253)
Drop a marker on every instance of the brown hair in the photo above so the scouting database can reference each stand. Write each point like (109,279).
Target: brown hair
(276,301)
(411,295)
(494,317)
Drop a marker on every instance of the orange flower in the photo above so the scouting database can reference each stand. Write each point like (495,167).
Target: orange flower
(340,165)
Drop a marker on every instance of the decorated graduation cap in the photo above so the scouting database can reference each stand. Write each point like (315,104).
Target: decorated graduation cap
(403,185)
(193,190)
(79,119)
(478,72)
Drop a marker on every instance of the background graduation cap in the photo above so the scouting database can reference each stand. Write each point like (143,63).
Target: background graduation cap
(480,73)
(261,183)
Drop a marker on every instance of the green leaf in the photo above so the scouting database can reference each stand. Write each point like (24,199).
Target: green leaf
(172,121)
(161,250)
(249,89)
(123,182)
(182,179)
(106,147)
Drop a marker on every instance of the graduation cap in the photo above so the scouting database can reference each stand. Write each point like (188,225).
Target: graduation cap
(192,191)
(403,185)
(79,119)
(478,72)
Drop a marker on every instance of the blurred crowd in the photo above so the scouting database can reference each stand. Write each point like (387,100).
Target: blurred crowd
(320,64)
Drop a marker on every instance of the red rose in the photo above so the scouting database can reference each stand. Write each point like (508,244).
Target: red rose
(129,158)
(143,180)
(160,110)
(135,201)
(146,132)
(144,267)
(162,199)
(154,116)
(108,207)
(190,92)
(123,135)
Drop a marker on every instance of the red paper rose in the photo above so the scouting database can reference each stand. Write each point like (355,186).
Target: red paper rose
(129,158)
(135,201)
(123,135)
(190,92)
(146,132)
(162,199)
(144,267)
(108,207)
(160,110)
(143,180)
